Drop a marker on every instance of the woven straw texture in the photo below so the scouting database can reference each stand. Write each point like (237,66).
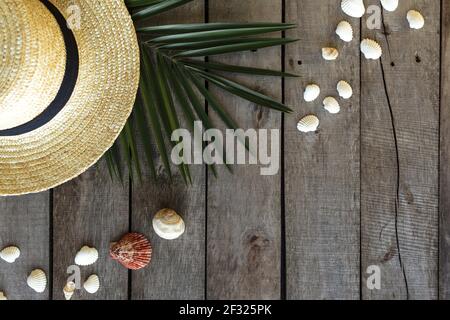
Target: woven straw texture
(99,106)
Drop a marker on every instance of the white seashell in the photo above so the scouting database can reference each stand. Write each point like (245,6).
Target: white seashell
(312,92)
(371,49)
(330,53)
(92,284)
(345,31)
(168,224)
(331,105)
(344,89)
(2,296)
(86,256)
(389,5)
(10,254)
(69,290)
(353,8)
(37,280)
(307,124)
(415,19)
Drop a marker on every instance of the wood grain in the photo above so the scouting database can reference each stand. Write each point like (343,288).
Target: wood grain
(322,169)
(244,208)
(90,210)
(399,170)
(24,222)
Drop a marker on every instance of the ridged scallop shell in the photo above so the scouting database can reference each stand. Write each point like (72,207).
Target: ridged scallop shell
(345,31)
(353,8)
(312,92)
(69,290)
(133,251)
(344,89)
(86,256)
(330,53)
(92,284)
(168,224)
(10,254)
(371,49)
(415,19)
(331,105)
(37,280)
(389,5)
(2,296)
(307,124)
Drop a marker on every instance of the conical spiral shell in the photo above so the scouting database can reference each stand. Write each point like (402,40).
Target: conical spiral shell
(371,49)
(344,89)
(2,296)
(168,224)
(353,8)
(389,5)
(307,124)
(69,290)
(10,254)
(331,105)
(92,284)
(345,31)
(312,92)
(415,19)
(86,256)
(133,251)
(37,280)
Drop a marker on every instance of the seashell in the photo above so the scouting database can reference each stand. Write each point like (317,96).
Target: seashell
(371,49)
(69,290)
(168,224)
(344,89)
(10,254)
(37,280)
(307,124)
(92,284)
(331,105)
(2,296)
(389,5)
(345,31)
(312,92)
(86,256)
(353,8)
(133,251)
(330,53)
(415,19)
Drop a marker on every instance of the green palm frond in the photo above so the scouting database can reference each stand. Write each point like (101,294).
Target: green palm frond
(172,75)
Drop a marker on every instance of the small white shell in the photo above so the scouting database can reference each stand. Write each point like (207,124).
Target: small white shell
(92,284)
(353,8)
(312,92)
(345,31)
(10,254)
(37,280)
(415,19)
(69,290)
(307,124)
(86,256)
(331,105)
(389,5)
(371,49)
(344,89)
(2,296)
(168,224)
(330,53)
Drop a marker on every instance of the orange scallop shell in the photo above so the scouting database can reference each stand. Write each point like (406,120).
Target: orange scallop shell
(133,251)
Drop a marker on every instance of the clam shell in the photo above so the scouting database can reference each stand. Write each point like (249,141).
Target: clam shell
(168,224)
(10,254)
(345,31)
(92,284)
(389,5)
(331,105)
(330,53)
(69,290)
(2,296)
(86,256)
(37,280)
(344,89)
(415,19)
(307,124)
(371,49)
(133,251)
(312,92)
(353,8)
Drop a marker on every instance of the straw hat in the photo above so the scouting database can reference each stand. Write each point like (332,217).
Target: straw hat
(65,93)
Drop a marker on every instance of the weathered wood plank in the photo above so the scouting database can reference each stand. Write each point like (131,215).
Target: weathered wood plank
(90,210)
(322,168)
(24,222)
(177,270)
(399,166)
(244,208)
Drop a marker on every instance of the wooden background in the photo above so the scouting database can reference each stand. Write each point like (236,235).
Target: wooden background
(371,187)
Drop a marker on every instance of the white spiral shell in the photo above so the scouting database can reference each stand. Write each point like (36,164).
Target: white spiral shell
(389,5)
(92,284)
(2,296)
(331,105)
(168,224)
(344,89)
(371,49)
(69,290)
(10,254)
(37,280)
(312,92)
(330,53)
(86,256)
(307,124)
(353,8)
(415,19)
(345,31)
